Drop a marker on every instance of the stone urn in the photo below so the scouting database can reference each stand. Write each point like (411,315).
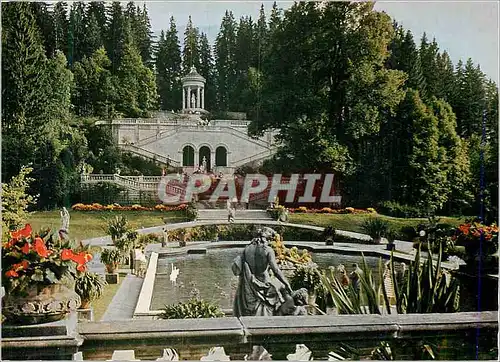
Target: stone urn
(40,304)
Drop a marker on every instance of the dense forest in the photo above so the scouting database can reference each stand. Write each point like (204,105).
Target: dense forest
(349,90)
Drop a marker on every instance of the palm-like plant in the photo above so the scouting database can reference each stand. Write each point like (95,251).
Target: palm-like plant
(89,286)
(116,227)
(426,288)
(376,228)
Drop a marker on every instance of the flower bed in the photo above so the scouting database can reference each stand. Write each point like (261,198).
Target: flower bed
(327,210)
(118,207)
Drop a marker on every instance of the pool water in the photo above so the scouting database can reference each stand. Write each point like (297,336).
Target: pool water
(209,275)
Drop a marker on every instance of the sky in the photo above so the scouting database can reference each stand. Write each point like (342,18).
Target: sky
(463,29)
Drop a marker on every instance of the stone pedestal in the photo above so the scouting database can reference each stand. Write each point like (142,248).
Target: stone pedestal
(86,315)
(112,278)
(48,341)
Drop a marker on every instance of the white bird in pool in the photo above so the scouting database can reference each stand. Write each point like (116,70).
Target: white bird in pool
(174,274)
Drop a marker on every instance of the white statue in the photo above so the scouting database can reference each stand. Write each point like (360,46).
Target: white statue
(204,164)
(65,219)
(193,101)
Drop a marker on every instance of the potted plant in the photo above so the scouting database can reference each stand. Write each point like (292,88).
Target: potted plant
(89,286)
(376,228)
(329,235)
(38,268)
(111,257)
(116,228)
(391,236)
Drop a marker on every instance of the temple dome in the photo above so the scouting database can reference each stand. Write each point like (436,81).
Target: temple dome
(193,76)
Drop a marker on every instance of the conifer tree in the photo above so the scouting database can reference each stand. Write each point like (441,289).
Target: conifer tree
(93,35)
(144,36)
(60,35)
(118,34)
(240,96)
(207,71)
(76,29)
(260,38)
(98,10)
(275,18)
(191,50)
(428,58)
(225,60)
(93,94)
(445,74)
(137,94)
(168,68)
(45,24)
(469,98)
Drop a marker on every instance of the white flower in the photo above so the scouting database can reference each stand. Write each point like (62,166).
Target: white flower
(422,233)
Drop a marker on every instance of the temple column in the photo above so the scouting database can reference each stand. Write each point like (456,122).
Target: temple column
(203,98)
(183,98)
(198,104)
(189,97)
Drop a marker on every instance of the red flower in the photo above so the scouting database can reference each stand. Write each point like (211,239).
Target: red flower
(88,257)
(10,243)
(81,267)
(40,248)
(464,228)
(11,274)
(67,254)
(23,233)
(81,258)
(20,266)
(26,248)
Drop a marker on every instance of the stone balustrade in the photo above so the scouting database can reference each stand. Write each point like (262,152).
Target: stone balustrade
(454,335)
(279,336)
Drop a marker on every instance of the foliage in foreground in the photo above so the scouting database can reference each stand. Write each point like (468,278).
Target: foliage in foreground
(423,288)
(193,308)
(15,201)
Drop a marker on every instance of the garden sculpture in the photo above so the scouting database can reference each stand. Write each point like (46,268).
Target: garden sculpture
(258,294)
(64,230)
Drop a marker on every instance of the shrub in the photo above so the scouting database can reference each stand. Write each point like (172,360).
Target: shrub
(408,233)
(145,239)
(191,211)
(306,276)
(16,201)
(375,227)
(193,308)
(395,209)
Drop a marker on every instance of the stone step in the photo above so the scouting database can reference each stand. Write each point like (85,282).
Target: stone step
(221,214)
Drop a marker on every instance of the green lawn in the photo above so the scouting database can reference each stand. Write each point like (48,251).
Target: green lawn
(102,303)
(89,224)
(353,222)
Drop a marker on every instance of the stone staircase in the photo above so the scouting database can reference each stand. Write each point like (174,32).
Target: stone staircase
(221,215)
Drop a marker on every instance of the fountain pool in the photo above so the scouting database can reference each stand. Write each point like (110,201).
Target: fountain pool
(210,274)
